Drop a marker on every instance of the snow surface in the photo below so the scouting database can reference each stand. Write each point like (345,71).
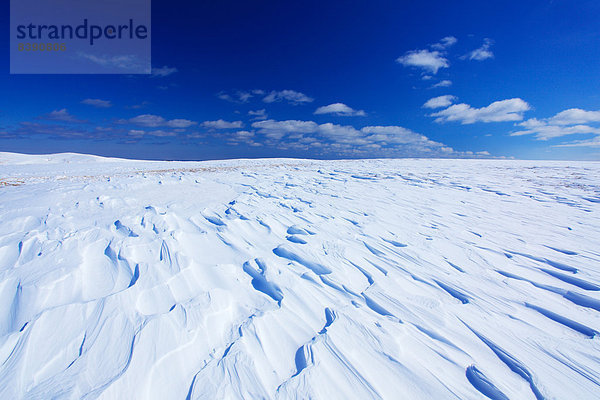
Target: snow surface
(416,279)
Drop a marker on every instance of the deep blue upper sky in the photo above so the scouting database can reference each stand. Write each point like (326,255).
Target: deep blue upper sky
(334,79)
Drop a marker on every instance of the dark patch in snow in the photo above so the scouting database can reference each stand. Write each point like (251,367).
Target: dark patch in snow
(214,220)
(483,384)
(260,283)
(569,323)
(296,239)
(373,305)
(453,292)
(515,365)
(394,243)
(572,280)
(567,252)
(330,316)
(284,252)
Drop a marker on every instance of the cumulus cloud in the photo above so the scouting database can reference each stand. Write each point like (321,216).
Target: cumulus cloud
(243,134)
(258,114)
(97,103)
(221,124)
(157,133)
(148,120)
(594,142)
(498,111)
(340,109)
(440,101)
(545,132)
(430,61)
(444,83)
(398,135)
(163,71)
(291,96)
(155,121)
(127,62)
(348,140)
(446,42)
(241,96)
(568,122)
(225,96)
(244,96)
(180,123)
(138,106)
(238,137)
(61,115)
(575,116)
(481,53)
(277,129)
(51,130)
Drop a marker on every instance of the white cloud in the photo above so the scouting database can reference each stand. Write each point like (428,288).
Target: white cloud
(398,135)
(154,121)
(137,132)
(594,142)
(225,96)
(347,140)
(431,61)
(568,122)
(341,134)
(440,101)
(545,132)
(290,96)
(163,71)
(128,62)
(158,133)
(180,123)
(244,96)
(243,134)
(340,109)
(444,83)
(61,115)
(446,42)
(240,96)
(498,111)
(277,129)
(97,103)
(221,124)
(575,116)
(258,114)
(52,130)
(482,53)
(148,120)
(138,106)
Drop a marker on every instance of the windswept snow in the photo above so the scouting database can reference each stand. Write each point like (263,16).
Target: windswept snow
(417,279)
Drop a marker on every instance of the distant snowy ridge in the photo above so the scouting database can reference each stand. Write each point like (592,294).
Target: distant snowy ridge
(19,159)
(418,279)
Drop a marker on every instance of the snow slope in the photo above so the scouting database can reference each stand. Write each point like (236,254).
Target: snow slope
(416,279)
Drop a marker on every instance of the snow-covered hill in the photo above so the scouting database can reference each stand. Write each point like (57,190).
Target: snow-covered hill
(416,279)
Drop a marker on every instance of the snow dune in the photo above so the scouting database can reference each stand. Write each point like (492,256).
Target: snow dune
(417,279)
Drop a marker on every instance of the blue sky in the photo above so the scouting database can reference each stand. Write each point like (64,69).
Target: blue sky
(330,80)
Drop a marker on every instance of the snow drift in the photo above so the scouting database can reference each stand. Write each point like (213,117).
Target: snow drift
(298,279)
